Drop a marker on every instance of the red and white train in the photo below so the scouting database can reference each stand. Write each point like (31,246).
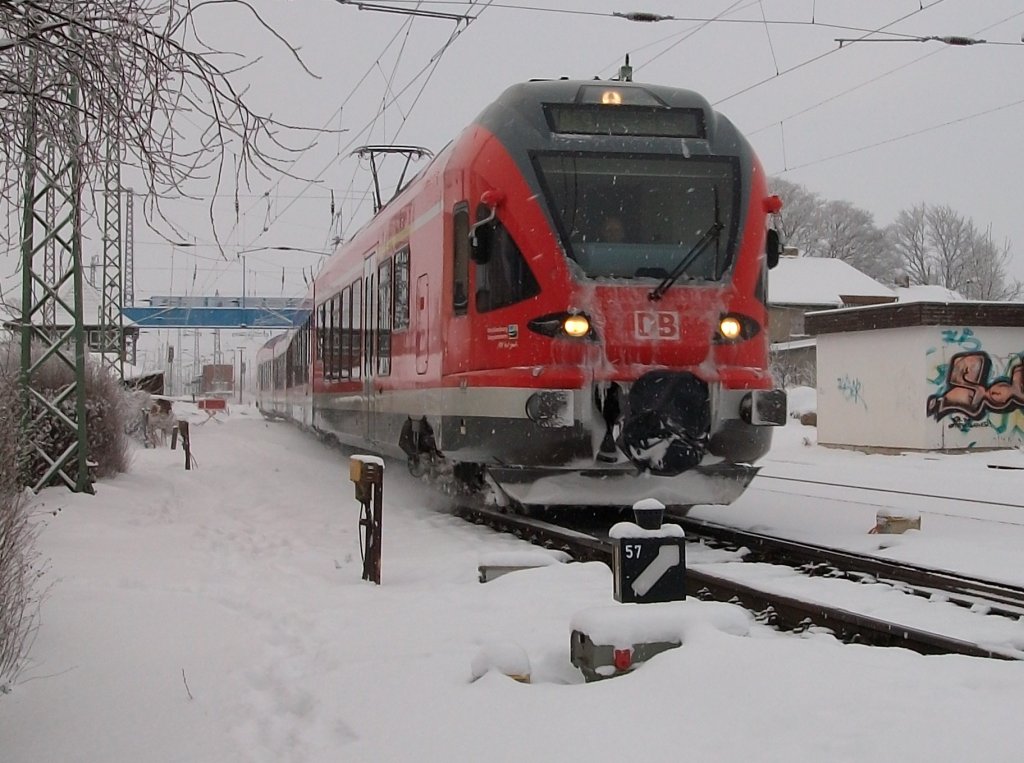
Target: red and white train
(566,307)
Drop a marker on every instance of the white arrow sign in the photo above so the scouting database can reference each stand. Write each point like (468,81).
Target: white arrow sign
(667,558)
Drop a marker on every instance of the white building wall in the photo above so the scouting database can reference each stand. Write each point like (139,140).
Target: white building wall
(870,391)
(977,394)
(922,388)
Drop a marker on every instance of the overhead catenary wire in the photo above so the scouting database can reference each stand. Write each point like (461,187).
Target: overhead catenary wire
(780,123)
(431,66)
(395,94)
(820,56)
(906,135)
(878,77)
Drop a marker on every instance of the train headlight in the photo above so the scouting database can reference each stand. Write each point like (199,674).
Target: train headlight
(729,327)
(735,327)
(576,326)
(567,325)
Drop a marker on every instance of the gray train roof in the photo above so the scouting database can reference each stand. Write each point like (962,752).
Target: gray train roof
(517,118)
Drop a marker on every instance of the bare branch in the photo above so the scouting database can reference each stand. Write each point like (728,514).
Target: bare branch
(145,76)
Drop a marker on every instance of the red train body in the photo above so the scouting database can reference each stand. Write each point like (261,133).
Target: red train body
(567,306)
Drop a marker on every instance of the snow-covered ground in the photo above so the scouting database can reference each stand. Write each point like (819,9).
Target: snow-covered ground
(218,615)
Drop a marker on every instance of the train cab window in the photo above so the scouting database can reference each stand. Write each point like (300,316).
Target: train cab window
(503,276)
(460,258)
(384,315)
(668,210)
(401,312)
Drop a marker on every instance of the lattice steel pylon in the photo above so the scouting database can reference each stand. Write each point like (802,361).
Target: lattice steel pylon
(110,320)
(128,253)
(55,418)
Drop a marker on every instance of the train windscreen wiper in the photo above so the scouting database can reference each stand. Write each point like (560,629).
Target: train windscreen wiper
(711,234)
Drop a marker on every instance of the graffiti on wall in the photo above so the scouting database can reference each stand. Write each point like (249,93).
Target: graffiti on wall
(851,389)
(968,393)
(962,338)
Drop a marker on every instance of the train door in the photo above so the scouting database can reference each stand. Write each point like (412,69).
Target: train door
(422,327)
(369,346)
(457,331)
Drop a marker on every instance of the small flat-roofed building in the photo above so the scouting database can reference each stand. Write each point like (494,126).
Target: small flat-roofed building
(921,376)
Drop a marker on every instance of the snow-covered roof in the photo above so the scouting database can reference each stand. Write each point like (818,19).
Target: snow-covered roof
(927,293)
(795,344)
(820,281)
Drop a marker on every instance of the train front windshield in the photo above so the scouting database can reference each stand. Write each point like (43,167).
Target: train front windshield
(640,216)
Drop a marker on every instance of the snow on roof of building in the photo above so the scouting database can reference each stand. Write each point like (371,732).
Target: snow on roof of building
(820,281)
(927,293)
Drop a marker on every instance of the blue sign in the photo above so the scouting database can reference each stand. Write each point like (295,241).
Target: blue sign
(214,317)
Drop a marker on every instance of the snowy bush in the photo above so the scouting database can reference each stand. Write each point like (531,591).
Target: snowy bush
(105,410)
(20,466)
(792,369)
(19,563)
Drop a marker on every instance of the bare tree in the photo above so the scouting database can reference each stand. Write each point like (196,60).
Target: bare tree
(848,233)
(987,268)
(937,245)
(104,82)
(836,229)
(143,73)
(799,212)
(908,236)
(951,238)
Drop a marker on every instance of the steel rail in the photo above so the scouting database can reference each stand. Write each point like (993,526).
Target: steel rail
(781,611)
(1000,598)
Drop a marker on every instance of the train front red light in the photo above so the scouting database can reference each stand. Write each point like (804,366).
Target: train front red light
(623,659)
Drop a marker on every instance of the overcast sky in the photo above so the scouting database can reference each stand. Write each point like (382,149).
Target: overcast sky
(884,125)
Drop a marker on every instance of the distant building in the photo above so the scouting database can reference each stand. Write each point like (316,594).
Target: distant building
(921,376)
(92,301)
(801,285)
(217,380)
(927,293)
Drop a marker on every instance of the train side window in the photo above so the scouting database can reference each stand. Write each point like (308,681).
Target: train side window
(384,313)
(304,357)
(327,330)
(321,330)
(401,319)
(503,275)
(460,258)
(289,360)
(336,337)
(344,331)
(356,334)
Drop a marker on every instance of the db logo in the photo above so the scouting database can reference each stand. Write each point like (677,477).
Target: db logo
(656,325)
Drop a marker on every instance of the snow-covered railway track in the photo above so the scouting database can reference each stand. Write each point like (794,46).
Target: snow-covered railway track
(986,507)
(785,611)
(980,595)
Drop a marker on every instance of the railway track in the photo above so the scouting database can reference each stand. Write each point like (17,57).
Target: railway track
(788,612)
(991,596)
